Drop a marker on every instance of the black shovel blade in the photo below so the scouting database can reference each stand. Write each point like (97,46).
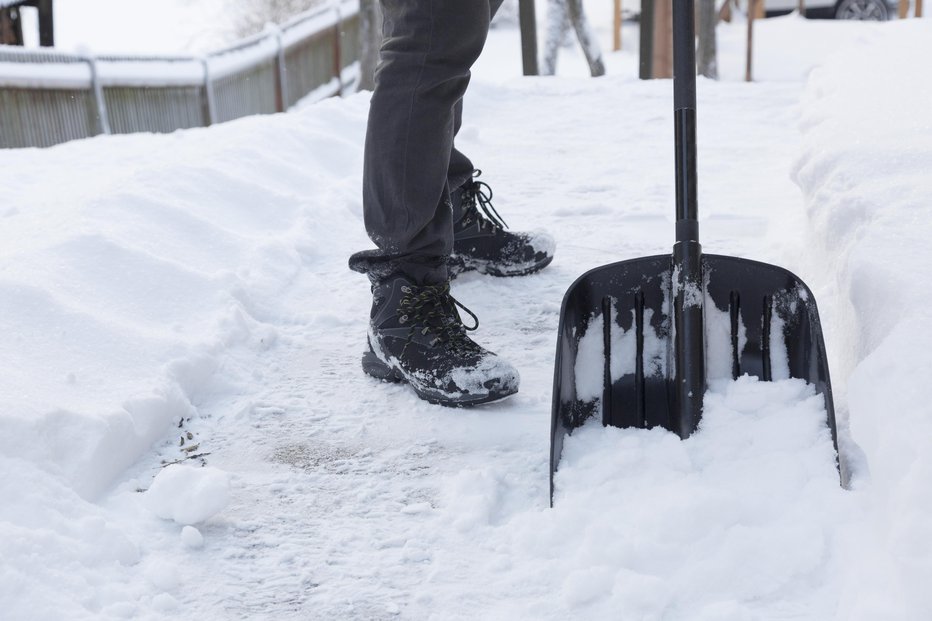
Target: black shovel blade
(759,319)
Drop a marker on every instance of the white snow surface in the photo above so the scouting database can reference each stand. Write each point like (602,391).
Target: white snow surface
(184,300)
(188,495)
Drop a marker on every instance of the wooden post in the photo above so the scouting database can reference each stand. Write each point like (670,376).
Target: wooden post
(11,26)
(918,8)
(616,40)
(752,11)
(528,24)
(902,9)
(801,8)
(663,39)
(646,52)
(46,23)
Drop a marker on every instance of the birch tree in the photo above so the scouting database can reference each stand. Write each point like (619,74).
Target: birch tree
(706,17)
(561,15)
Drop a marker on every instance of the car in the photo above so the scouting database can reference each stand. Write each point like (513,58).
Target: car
(877,10)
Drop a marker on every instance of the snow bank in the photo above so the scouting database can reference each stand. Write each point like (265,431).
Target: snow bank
(131,267)
(865,171)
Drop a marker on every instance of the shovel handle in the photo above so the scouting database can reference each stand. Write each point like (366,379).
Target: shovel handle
(684,113)
(689,326)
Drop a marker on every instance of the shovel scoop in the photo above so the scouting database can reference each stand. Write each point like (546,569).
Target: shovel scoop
(640,339)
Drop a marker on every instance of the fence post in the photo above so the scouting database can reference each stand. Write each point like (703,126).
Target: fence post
(337,58)
(281,76)
(616,30)
(208,109)
(749,60)
(99,110)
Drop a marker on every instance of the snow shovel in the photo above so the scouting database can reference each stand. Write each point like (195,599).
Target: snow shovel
(638,338)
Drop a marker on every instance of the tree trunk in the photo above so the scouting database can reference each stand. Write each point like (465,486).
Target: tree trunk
(561,14)
(706,57)
(663,39)
(557,27)
(370,35)
(587,39)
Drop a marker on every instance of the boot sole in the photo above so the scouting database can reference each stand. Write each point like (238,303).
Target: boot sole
(464,264)
(375,367)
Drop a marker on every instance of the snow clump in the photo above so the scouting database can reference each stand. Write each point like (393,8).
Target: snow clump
(188,495)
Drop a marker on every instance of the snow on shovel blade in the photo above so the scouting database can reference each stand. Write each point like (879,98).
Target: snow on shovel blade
(615,350)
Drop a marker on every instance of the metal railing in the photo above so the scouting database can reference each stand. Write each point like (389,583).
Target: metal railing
(49,97)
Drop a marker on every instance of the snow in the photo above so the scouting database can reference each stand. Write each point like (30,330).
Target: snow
(243,56)
(742,515)
(182,334)
(864,170)
(188,495)
(151,73)
(72,75)
(191,537)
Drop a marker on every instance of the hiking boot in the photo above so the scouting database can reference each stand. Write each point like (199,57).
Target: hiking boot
(416,336)
(480,241)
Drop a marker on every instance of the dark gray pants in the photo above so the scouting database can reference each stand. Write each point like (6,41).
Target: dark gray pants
(410,163)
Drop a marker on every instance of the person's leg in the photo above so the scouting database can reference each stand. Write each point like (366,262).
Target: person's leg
(461,168)
(427,51)
(480,239)
(415,332)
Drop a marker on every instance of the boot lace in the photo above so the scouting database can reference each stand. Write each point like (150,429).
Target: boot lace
(432,310)
(477,203)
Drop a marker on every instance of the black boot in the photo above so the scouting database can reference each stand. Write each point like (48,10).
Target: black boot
(480,241)
(416,336)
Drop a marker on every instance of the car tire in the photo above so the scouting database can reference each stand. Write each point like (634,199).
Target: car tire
(871,10)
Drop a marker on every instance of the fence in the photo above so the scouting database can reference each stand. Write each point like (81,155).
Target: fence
(49,97)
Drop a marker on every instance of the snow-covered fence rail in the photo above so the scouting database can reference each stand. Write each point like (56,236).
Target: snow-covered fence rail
(49,97)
